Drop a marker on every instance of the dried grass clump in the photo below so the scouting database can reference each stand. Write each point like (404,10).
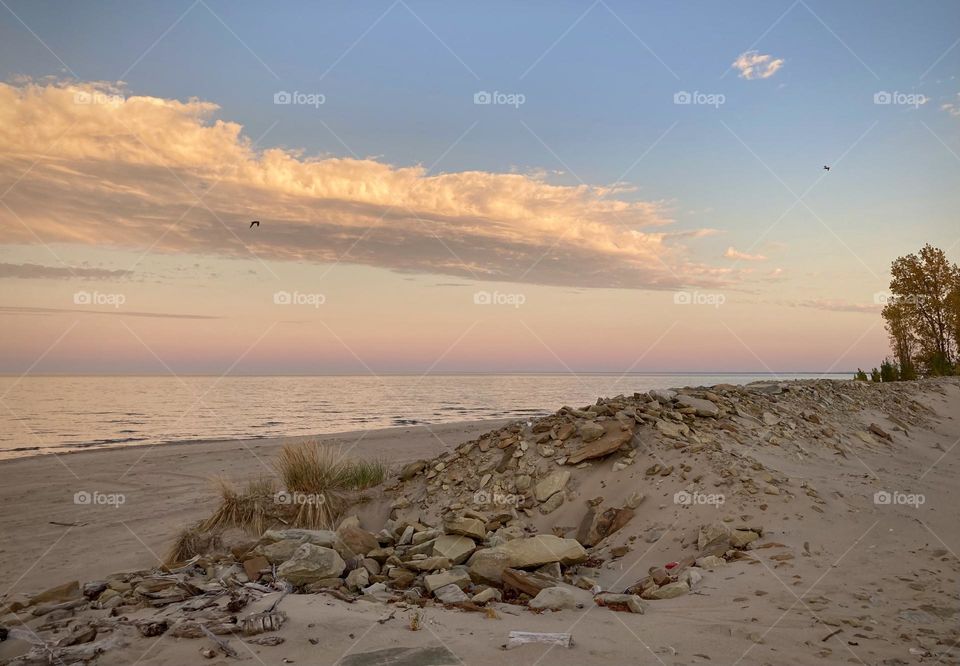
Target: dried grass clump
(253,509)
(191,541)
(318,481)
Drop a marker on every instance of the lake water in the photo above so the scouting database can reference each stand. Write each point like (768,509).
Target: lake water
(44,414)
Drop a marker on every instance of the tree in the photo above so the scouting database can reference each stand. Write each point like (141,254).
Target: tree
(902,341)
(875,376)
(889,371)
(861,376)
(924,287)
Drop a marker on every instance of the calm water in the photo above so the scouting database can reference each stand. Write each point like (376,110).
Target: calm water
(68,413)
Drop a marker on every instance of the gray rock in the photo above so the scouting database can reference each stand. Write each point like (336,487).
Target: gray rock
(589,431)
(450,594)
(454,547)
(553,598)
(487,564)
(470,527)
(310,563)
(702,407)
(458,577)
(551,484)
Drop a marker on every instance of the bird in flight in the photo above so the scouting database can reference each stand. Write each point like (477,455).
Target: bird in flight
(826,168)
(255,223)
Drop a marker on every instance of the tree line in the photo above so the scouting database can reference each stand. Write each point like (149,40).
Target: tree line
(922,318)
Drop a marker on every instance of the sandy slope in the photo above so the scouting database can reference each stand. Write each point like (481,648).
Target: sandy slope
(886,576)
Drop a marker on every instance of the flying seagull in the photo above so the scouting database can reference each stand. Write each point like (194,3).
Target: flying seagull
(826,168)
(255,223)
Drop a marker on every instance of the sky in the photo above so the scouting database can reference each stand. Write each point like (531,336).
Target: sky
(486,187)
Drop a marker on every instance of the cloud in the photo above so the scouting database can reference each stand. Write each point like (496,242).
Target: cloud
(19,310)
(953,108)
(38,272)
(840,306)
(733,253)
(754,65)
(115,171)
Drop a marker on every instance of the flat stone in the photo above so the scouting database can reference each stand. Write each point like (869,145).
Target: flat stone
(454,547)
(670,590)
(672,429)
(458,577)
(701,407)
(551,504)
(469,527)
(631,601)
(604,446)
(451,594)
(310,563)
(553,598)
(551,484)
(487,564)
(403,656)
(590,431)
(325,538)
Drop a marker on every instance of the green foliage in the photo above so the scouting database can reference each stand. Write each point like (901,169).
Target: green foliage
(875,376)
(889,372)
(861,376)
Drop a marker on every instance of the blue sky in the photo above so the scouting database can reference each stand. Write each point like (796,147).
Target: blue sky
(599,82)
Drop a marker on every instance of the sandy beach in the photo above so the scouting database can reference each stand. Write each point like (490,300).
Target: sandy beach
(836,577)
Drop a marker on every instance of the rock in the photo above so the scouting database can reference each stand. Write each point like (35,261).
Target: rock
(454,547)
(66,592)
(711,562)
(664,396)
(403,656)
(325,538)
(451,594)
(458,577)
(701,407)
(629,601)
(428,564)
(880,432)
(331,583)
(670,590)
(715,536)
(253,566)
(740,538)
(672,429)
(358,579)
(598,525)
(770,419)
(553,598)
(281,551)
(357,540)
(487,564)
(522,482)
(590,431)
(487,595)
(406,538)
(93,589)
(551,484)
(692,577)
(470,527)
(310,563)
(635,500)
(604,446)
(526,583)
(410,470)
(552,504)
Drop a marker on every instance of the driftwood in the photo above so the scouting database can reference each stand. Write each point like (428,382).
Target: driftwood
(262,622)
(222,642)
(518,638)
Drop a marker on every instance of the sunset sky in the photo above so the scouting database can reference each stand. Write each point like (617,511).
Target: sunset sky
(552,186)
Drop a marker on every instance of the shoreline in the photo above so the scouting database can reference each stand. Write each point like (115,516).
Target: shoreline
(40,452)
